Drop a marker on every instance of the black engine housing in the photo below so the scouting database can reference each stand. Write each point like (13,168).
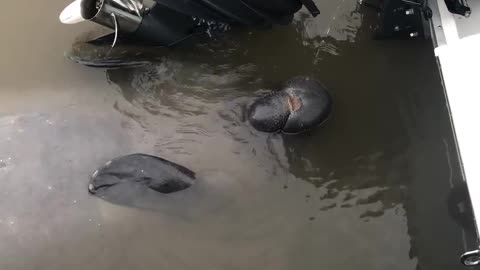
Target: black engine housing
(168,22)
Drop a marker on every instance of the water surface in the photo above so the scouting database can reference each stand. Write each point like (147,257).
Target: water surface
(369,190)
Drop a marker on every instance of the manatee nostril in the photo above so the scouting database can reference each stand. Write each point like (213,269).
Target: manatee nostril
(294,103)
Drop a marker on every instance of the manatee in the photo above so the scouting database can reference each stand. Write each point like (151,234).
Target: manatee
(302,104)
(128,53)
(99,53)
(137,180)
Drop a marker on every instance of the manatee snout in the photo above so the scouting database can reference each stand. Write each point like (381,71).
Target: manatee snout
(270,113)
(302,104)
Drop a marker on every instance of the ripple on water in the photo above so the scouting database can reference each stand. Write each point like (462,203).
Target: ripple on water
(173,89)
(294,193)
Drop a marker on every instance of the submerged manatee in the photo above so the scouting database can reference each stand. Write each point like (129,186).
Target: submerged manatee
(99,53)
(138,179)
(302,104)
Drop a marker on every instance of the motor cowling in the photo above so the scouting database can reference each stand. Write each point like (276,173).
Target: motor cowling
(167,22)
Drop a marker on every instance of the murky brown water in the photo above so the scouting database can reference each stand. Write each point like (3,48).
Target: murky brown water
(369,190)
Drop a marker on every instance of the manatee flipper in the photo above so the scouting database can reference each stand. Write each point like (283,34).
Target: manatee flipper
(138,180)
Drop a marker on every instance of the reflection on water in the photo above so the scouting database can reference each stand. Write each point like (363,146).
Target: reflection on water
(375,188)
(340,24)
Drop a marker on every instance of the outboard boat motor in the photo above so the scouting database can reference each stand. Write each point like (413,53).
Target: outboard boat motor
(168,22)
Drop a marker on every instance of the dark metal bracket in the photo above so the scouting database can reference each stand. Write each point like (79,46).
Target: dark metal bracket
(459,7)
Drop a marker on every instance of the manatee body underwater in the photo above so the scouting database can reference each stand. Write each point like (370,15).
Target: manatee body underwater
(137,180)
(302,104)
